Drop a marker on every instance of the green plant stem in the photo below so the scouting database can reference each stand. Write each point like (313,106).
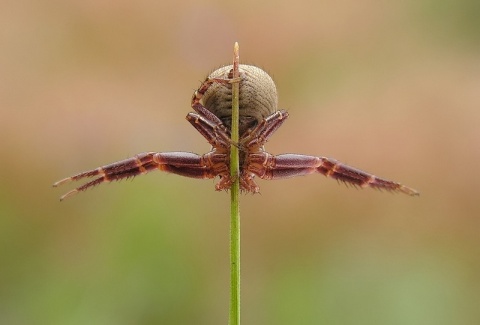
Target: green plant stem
(234,201)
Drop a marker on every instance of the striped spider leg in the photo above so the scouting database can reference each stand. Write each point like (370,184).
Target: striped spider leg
(267,166)
(212,164)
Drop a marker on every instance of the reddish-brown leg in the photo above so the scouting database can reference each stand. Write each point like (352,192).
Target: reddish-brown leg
(214,133)
(198,94)
(207,123)
(215,163)
(180,163)
(267,166)
(253,141)
(264,130)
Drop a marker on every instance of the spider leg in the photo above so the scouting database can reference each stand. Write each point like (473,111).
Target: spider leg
(198,94)
(267,166)
(215,134)
(180,163)
(207,123)
(264,130)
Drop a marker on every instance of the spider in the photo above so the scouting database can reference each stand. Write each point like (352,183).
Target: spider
(258,120)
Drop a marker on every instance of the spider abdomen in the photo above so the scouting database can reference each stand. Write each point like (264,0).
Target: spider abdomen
(258,96)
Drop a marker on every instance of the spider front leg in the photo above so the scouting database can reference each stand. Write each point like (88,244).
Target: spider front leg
(180,163)
(207,123)
(215,134)
(267,166)
(257,137)
(198,94)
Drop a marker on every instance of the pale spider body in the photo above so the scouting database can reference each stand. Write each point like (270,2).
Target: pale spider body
(259,118)
(257,100)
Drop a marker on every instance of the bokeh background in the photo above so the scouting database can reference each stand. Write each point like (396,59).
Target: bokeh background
(392,87)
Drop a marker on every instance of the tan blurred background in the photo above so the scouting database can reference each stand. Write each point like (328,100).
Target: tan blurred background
(392,87)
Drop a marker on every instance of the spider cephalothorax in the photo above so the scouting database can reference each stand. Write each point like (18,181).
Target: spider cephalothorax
(259,119)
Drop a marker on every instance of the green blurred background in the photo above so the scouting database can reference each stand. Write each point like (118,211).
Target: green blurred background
(392,87)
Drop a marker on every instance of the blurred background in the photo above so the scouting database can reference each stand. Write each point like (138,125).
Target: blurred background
(392,87)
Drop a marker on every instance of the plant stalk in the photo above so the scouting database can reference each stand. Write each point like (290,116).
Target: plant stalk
(234,199)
